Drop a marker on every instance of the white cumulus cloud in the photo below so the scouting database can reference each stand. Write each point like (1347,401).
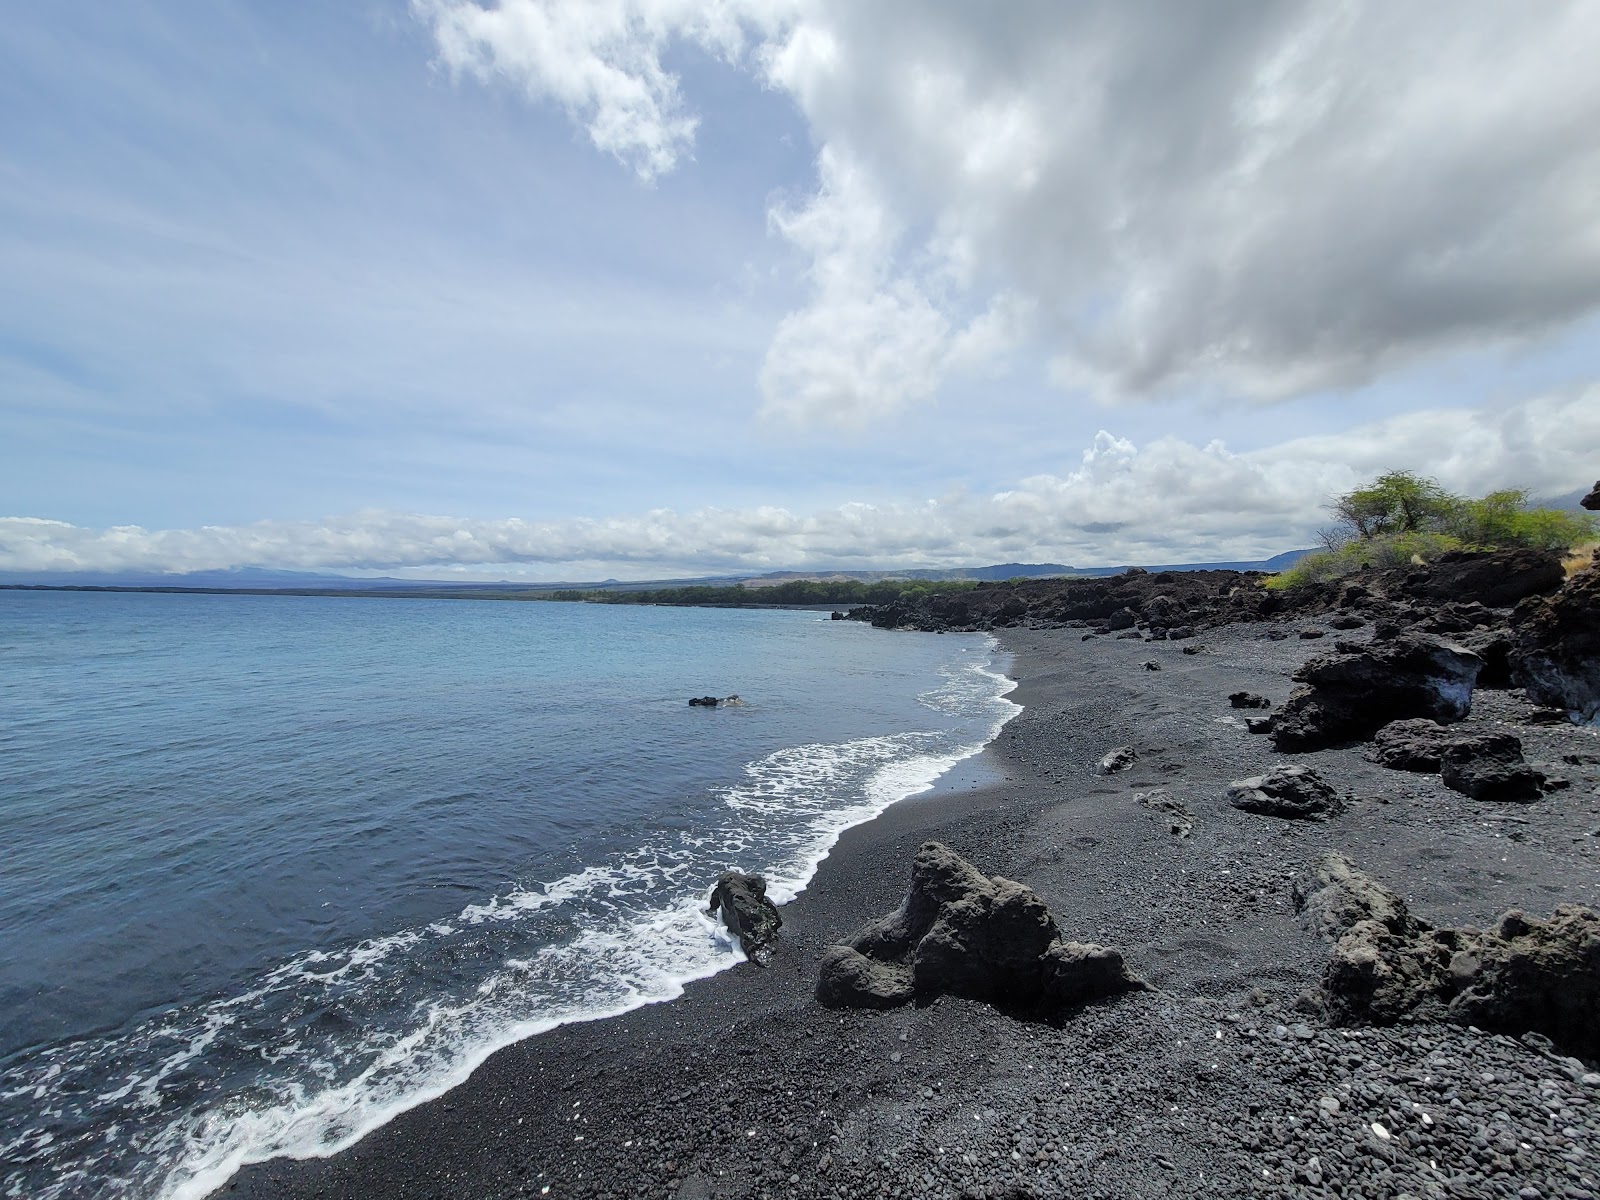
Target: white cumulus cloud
(1166,501)
(1252,200)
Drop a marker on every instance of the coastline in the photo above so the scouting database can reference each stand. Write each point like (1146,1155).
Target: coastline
(744,1085)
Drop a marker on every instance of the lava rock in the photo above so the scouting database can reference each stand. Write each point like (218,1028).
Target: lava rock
(1526,975)
(1417,744)
(962,933)
(1347,621)
(1295,793)
(1490,766)
(1496,578)
(1151,664)
(1352,693)
(1258,724)
(1592,500)
(1557,654)
(1119,759)
(741,902)
(1248,700)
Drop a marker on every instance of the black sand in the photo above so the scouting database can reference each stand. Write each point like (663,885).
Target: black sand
(1216,1084)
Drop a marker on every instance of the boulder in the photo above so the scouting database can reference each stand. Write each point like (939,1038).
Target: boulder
(846,978)
(1417,744)
(1489,766)
(962,933)
(704,701)
(1592,500)
(1296,793)
(1350,694)
(1258,724)
(1123,618)
(1347,621)
(1151,664)
(1248,700)
(1524,975)
(741,902)
(1557,653)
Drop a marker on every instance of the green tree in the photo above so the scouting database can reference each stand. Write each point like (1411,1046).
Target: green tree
(1395,502)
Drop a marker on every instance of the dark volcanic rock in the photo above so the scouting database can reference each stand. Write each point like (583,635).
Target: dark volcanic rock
(961,932)
(741,902)
(1248,700)
(1592,500)
(1489,766)
(1297,793)
(1413,745)
(1258,724)
(1352,693)
(846,978)
(1496,578)
(1557,654)
(1525,975)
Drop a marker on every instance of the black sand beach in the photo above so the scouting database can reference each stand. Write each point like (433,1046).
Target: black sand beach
(1216,1083)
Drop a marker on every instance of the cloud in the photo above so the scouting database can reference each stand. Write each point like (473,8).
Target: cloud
(1166,501)
(600,60)
(1254,201)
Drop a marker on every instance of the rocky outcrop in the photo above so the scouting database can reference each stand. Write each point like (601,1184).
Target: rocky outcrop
(1350,694)
(1169,605)
(1557,653)
(962,933)
(1592,500)
(1295,793)
(1489,766)
(740,901)
(1525,975)
(1493,578)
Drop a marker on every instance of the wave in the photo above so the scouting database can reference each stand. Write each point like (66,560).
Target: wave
(334,1043)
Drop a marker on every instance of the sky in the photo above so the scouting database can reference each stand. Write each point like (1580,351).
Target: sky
(651,288)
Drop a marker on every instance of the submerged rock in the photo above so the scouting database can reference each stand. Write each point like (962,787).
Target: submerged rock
(1524,975)
(960,932)
(741,902)
(1352,693)
(1296,793)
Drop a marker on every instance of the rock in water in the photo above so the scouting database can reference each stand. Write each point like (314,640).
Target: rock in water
(1248,700)
(1352,693)
(1297,793)
(1557,653)
(1489,766)
(1525,975)
(1415,745)
(741,902)
(960,932)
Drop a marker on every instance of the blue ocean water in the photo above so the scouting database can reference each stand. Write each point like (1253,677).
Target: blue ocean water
(277,868)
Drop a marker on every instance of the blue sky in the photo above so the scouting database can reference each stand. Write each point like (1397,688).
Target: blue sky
(647,288)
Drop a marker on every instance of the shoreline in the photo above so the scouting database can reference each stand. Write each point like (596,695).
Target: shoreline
(744,1085)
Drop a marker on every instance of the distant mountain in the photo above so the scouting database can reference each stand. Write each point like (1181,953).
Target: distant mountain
(263,579)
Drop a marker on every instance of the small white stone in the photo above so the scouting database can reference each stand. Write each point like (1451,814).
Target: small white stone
(1380,1132)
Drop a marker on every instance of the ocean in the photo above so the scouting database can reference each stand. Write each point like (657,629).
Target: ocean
(278,868)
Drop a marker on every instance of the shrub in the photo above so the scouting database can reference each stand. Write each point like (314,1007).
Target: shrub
(1401,517)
